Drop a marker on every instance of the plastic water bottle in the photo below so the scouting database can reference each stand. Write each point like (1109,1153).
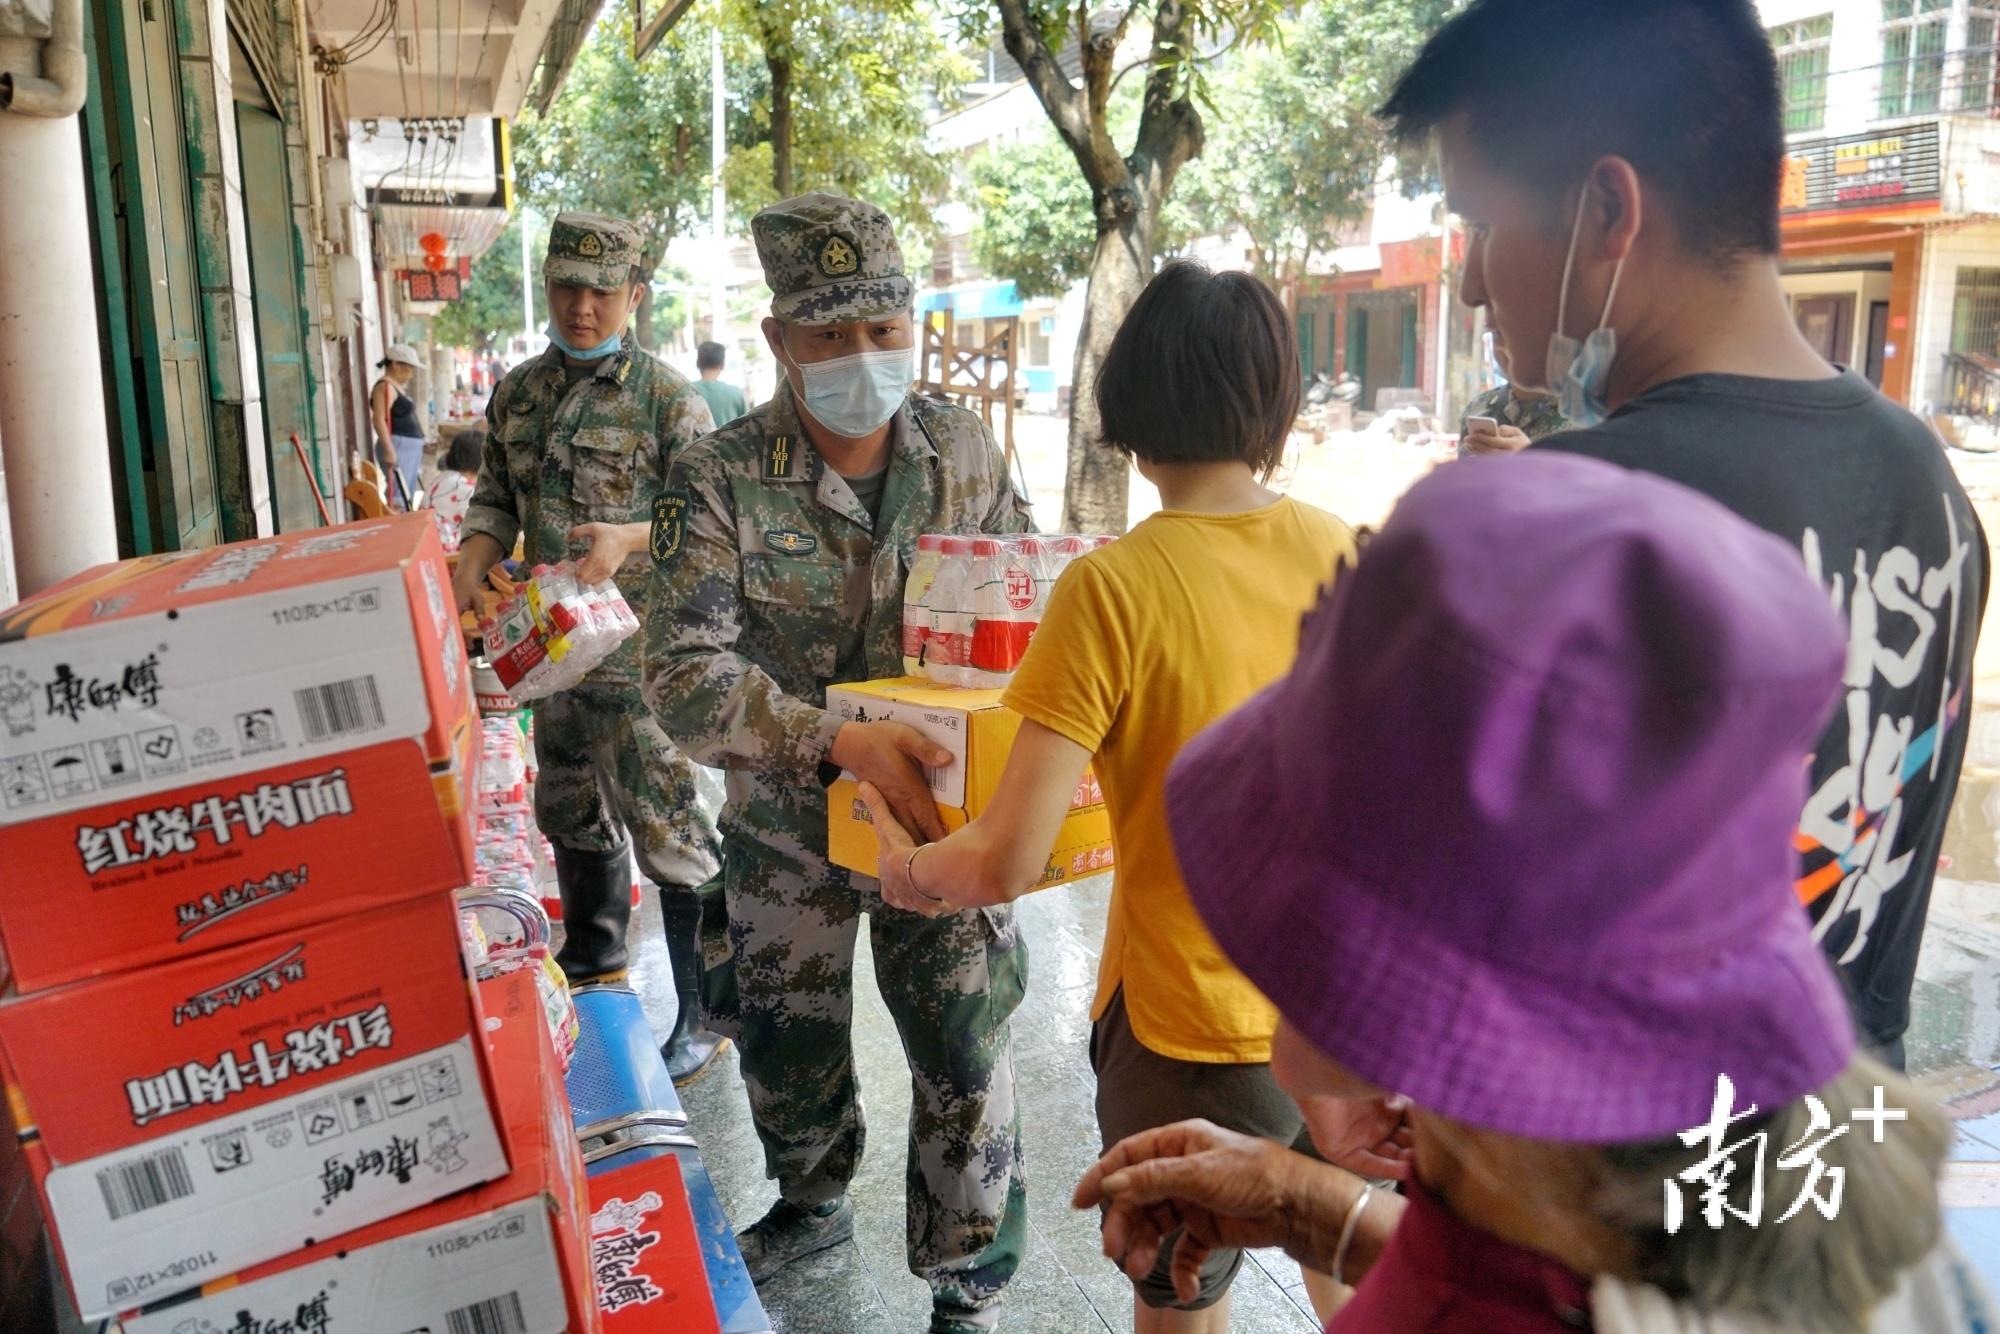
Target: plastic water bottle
(1059,552)
(948,646)
(916,602)
(1004,615)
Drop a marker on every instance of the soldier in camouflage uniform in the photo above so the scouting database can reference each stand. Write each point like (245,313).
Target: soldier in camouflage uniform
(782,545)
(577,449)
(1520,418)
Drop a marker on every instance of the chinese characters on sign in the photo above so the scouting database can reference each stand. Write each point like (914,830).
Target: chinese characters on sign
(302,1051)
(1860,170)
(1715,1173)
(69,694)
(197,916)
(288,967)
(618,1238)
(170,831)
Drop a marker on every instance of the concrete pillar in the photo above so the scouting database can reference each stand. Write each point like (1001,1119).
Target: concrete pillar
(52,425)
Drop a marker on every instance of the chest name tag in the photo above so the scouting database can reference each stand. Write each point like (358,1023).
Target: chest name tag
(791,542)
(778,456)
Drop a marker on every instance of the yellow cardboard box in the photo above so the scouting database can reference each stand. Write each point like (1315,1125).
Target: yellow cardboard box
(978,731)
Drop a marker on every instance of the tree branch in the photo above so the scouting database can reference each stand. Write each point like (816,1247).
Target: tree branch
(1170,131)
(1069,108)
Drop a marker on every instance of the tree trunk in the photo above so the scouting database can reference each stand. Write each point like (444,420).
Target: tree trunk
(781,124)
(1095,491)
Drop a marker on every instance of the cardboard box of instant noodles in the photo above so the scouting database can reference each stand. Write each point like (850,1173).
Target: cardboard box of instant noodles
(509,1257)
(186,1121)
(206,747)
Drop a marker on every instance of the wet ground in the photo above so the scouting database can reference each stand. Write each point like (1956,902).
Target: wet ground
(1065,1285)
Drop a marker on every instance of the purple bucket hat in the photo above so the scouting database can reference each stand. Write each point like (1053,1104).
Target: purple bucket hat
(1526,805)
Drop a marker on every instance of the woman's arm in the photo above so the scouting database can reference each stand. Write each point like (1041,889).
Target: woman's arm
(378,414)
(1001,855)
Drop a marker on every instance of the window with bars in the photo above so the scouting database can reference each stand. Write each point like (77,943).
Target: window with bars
(1802,49)
(1977,85)
(1913,48)
(1975,312)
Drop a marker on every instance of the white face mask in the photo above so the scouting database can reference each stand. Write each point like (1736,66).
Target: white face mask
(854,395)
(1578,372)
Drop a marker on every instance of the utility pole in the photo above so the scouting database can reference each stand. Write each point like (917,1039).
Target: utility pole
(718,256)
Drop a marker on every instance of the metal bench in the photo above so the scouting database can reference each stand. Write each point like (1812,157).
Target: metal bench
(626,1110)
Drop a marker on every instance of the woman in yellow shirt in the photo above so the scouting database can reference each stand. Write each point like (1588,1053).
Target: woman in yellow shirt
(1146,642)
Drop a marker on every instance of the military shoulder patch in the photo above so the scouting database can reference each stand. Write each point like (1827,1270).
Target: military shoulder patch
(837,257)
(778,456)
(669,525)
(791,542)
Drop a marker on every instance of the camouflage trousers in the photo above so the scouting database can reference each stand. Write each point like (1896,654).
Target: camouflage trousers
(780,981)
(606,768)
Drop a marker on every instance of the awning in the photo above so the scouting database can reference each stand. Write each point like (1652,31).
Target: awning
(974,301)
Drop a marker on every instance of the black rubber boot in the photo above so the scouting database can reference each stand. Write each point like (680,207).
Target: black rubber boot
(597,906)
(788,1232)
(692,1047)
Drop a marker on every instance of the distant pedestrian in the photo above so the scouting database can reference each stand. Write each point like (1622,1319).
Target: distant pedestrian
(450,492)
(725,401)
(399,436)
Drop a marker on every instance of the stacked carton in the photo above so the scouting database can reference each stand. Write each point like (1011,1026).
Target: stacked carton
(978,731)
(239,1039)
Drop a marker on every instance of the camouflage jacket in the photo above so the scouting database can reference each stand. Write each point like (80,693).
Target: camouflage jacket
(772,584)
(597,451)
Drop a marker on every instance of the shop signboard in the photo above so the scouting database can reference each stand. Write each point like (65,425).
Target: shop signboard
(1862,171)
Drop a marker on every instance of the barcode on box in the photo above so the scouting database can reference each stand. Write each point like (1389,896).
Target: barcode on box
(341,708)
(495,1315)
(145,1183)
(935,778)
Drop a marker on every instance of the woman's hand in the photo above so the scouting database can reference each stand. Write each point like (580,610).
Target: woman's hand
(607,546)
(1218,1187)
(893,846)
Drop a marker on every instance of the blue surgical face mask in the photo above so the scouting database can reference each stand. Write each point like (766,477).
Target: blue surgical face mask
(603,349)
(1578,372)
(853,396)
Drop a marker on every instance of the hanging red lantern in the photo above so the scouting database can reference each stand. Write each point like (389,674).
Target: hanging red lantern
(436,263)
(432,242)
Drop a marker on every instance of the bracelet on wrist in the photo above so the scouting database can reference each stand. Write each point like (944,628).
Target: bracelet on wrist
(1347,1228)
(910,874)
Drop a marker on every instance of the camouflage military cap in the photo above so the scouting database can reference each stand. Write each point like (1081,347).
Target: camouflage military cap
(829,259)
(592,250)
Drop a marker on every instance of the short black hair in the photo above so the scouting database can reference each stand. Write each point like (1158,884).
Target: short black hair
(710,356)
(467,447)
(1684,90)
(1204,369)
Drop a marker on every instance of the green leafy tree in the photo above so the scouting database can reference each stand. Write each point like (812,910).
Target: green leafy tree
(1296,148)
(1034,225)
(489,311)
(844,103)
(626,138)
(1130,178)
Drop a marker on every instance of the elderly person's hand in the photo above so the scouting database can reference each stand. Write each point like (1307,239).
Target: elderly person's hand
(1483,435)
(1368,1136)
(893,845)
(1220,1188)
